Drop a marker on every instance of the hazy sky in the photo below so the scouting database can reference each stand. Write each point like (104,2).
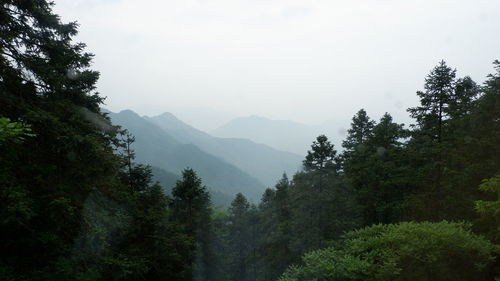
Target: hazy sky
(307,61)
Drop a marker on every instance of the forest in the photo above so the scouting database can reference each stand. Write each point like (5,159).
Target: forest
(395,202)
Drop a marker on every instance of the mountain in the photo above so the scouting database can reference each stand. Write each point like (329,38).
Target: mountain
(265,163)
(156,147)
(282,134)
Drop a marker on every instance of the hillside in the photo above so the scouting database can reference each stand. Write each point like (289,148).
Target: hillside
(156,147)
(259,160)
(281,134)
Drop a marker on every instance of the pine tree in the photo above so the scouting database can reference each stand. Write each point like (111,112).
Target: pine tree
(462,102)
(46,84)
(191,208)
(321,157)
(275,230)
(428,132)
(435,100)
(384,192)
(360,131)
(239,237)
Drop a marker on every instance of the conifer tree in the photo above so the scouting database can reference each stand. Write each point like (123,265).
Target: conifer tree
(191,208)
(321,157)
(360,131)
(435,100)
(239,237)
(275,230)
(46,84)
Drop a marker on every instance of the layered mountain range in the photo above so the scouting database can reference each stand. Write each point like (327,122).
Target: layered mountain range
(284,135)
(226,165)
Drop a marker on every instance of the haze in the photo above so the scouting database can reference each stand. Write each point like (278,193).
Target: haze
(307,61)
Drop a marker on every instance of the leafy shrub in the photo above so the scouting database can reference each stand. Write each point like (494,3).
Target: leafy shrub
(404,251)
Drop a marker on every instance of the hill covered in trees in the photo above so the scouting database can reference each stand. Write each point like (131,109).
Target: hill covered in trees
(418,203)
(155,146)
(258,160)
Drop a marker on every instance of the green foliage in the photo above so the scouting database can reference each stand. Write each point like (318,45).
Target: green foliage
(377,167)
(321,156)
(75,206)
(71,207)
(435,100)
(327,264)
(191,201)
(191,209)
(239,237)
(46,180)
(405,251)
(13,131)
(276,228)
(490,208)
(320,216)
(361,128)
(161,149)
(445,175)
(489,211)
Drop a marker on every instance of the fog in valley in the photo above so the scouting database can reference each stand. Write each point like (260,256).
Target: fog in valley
(236,140)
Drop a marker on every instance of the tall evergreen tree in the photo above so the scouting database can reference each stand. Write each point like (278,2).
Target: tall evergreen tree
(321,157)
(239,237)
(435,100)
(427,139)
(355,166)
(382,194)
(46,83)
(191,208)
(360,131)
(445,148)
(276,230)
(462,102)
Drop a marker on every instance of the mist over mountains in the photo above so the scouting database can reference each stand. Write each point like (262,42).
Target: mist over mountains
(281,134)
(226,165)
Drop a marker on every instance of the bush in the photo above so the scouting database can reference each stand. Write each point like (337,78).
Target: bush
(406,251)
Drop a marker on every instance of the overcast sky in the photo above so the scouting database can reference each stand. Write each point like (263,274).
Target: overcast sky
(307,61)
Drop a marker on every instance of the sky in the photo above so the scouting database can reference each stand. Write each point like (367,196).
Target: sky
(315,61)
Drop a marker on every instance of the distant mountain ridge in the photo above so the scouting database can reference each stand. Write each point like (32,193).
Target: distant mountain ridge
(283,134)
(155,146)
(265,163)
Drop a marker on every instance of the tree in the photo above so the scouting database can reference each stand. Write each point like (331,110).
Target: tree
(427,143)
(47,180)
(405,251)
(220,237)
(191,208)
(319,215)
(489,210)
(386,134)
(462,102)
(13,131)
(239,236)
(381,194)
(39,59)
(361,128)
(374,165)
(355,166)
(435,100)
(322,155)
(275,227)
(147,243)
(190,200)
(445,174)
